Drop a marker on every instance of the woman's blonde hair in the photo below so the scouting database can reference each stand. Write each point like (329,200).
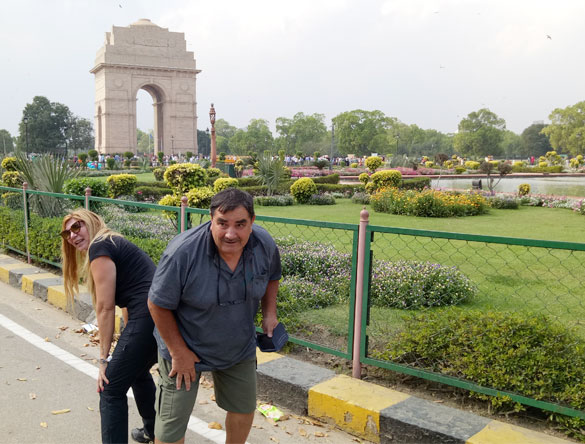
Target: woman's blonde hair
(76,263)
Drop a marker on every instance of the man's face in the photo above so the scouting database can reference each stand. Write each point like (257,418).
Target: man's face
(231,231)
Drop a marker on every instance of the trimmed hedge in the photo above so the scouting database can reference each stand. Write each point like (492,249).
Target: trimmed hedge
(415,183)
(121,184)
(331,178)
(274,201)
(514,352)
(303,189)
(147,193)
(77,186)
(538,169)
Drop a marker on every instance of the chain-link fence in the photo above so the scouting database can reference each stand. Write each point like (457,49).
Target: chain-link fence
(498,316)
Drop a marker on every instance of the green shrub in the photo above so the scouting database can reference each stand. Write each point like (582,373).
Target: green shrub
(346,188)
(12,179)
(213,172)
(321,163)
(12,200)
(200,197)
(472,165)
(159,173)
(302,189)
(321,199)
(249,181)
(274,201)
(153,247)
(223,183)
(10,164)
(77,186)
(93,154)
(523,189)
(513,352)
(361,198)
(386,178)
(503,203)
(428,203)
(415,183)
(413,285)
(354,165)
(460,169)
(331,178)
(364,178)
(373,163)
(111,163)
(148,193)
(119,184)
(539,169)
(181,177)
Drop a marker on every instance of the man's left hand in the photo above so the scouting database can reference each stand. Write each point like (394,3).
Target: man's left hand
(269,324)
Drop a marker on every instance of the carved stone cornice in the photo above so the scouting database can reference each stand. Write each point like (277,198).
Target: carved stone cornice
(101,66)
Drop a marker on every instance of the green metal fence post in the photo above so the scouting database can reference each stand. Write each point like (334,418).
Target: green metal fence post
(359,292)
(26,216)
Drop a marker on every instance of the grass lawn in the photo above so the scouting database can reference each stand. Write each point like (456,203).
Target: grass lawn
(142,177)
(509,278)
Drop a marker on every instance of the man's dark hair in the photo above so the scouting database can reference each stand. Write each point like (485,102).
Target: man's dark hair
(230,199)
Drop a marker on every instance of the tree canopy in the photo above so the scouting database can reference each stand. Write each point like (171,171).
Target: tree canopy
(301,133)
(533,142)
(6,142)
(480,134)
(50,127)
(567,129)
(362,132)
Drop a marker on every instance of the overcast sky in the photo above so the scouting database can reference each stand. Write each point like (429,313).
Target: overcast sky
(427,62)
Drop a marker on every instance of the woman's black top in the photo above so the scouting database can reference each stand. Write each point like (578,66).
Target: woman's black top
(134,271)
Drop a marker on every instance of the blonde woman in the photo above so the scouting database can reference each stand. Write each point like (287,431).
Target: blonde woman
(116,272)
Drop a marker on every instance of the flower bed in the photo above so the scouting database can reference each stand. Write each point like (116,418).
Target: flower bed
(428,203)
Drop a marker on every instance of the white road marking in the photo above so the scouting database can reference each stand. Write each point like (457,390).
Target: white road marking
(196,425)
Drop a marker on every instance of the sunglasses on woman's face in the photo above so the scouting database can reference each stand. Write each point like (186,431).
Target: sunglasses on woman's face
(66,234)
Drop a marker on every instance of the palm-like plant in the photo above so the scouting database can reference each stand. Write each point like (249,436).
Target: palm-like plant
(45,173)
(270,171)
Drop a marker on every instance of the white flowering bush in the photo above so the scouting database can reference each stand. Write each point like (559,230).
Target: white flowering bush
(411,285)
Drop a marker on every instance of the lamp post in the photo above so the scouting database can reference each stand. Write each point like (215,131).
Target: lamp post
(213,149)
(25,121)
(332,143)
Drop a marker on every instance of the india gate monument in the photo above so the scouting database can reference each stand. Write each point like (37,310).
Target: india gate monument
(145,56)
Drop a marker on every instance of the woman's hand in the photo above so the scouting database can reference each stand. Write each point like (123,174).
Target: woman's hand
(102,377)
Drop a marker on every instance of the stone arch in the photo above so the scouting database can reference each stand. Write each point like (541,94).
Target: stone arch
(145,56)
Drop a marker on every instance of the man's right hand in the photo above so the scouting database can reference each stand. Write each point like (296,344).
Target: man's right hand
(183,366)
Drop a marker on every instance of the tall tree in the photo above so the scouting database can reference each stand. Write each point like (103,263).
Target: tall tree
(356,130)
(258,136)
(6,142)
(302,132)
(46,126)
(511,144)
(224,129)
(480,134)
(203,143)
(567,129)
(144,141)
(79,134)
(533,142)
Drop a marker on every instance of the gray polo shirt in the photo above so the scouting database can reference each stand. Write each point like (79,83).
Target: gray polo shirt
(214,307)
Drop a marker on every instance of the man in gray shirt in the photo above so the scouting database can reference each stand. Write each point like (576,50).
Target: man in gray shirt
(204,296)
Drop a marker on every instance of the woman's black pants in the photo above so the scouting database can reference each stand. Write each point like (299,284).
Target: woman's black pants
(132,359)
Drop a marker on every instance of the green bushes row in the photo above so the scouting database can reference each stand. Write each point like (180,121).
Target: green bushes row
(513,352)
(538,169)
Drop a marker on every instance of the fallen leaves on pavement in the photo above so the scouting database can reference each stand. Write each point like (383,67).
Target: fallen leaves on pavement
(215,425)
(32,396)
(44,425)
(60,412)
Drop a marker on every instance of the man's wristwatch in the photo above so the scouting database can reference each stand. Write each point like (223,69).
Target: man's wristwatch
(105,361)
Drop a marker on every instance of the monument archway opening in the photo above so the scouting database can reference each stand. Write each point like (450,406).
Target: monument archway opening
(144,56)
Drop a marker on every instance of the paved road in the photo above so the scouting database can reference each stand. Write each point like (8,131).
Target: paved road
(47,365)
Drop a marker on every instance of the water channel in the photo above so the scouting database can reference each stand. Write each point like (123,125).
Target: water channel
(559,186)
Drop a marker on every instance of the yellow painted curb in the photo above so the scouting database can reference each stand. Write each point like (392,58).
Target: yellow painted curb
(5,270)
(28,280)
(497,433)
(352,404)
(56,296)
(263,358)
